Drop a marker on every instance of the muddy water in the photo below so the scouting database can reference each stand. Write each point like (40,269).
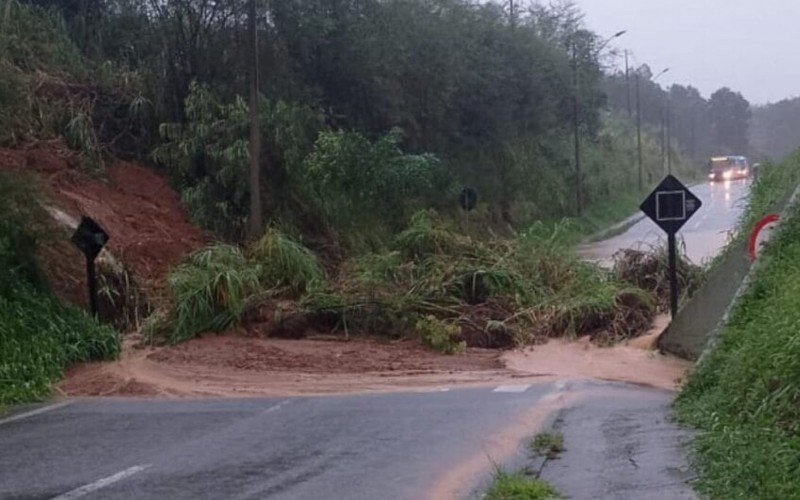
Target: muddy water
(634,362)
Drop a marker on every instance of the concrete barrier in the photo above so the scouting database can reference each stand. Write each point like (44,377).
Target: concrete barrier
(703,316)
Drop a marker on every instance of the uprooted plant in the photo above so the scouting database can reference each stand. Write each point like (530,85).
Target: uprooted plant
(452,291)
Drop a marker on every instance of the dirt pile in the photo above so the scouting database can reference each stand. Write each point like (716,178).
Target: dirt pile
(148,226)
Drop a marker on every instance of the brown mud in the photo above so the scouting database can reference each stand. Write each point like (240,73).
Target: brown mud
(236,364)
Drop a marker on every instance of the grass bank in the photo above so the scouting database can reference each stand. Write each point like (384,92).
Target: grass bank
(744,395)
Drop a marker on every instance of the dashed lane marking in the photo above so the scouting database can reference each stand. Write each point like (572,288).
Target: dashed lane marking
(33,413)
(512,388)
(102,483)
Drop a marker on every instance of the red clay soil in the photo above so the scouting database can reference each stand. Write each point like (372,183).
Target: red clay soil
(322,355)
(235,364)
(148,226)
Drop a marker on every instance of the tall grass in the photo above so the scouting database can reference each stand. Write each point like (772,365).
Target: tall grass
(744,395)
(209,291)
(285,263)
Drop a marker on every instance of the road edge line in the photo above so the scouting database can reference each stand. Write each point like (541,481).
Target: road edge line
(102,483)
(33,413)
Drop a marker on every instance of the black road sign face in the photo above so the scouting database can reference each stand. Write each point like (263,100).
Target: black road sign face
(90,237)
(468,199)
(670,205)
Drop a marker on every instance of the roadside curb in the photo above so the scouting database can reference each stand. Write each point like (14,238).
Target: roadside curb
(615,230)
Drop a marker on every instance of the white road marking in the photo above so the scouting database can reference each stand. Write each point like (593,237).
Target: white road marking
(512,388)
(35,412)
(102,483)
(277,406)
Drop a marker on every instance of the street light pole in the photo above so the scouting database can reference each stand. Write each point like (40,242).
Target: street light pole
(576,118)
(639,124)
(628,86)
(639,130)
(669,135)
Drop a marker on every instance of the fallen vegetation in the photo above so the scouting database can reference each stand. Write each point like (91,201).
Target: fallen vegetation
(743,396)
(447,289)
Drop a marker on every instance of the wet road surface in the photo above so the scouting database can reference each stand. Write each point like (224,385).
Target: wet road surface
(350,447)
(704,235)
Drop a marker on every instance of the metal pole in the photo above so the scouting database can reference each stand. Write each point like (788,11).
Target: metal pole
(576,130)
(669,137)
(91,281)
(673,278)
(628,86)
(639,132)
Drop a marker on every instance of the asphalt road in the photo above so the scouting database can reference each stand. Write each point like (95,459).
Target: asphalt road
(350,447)
(703,236)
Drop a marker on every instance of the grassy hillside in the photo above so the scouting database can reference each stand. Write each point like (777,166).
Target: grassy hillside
(744,397)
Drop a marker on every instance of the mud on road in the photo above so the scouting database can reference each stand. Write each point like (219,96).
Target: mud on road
(236,364)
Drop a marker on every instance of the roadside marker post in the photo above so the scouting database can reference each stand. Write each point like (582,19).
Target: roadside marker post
(90,238)
(468,199)
(670,206)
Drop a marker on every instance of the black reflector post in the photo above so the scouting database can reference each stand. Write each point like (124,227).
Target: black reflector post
(90,238)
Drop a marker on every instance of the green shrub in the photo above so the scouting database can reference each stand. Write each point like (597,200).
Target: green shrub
(209,291)
(425,236)
(285,263)
(367,188)
(440,336)
(39,338)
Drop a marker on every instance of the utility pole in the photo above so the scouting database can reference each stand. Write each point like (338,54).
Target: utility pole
(639,131)
(628,86)
(255,221)
(576,116)
(576,130)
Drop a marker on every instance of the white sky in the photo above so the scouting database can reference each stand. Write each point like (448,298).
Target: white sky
(751,46)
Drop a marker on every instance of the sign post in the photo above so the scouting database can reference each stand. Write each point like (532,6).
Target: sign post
(670,205)
(468,199)
(90,238)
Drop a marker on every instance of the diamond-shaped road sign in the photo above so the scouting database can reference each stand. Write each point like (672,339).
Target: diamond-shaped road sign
(670,205)
(90,237)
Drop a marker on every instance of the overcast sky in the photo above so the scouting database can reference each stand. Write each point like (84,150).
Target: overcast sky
(751,46)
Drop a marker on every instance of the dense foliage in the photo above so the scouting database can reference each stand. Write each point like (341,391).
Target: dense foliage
(776,128)
(369,110)
(743,395)
(696,126)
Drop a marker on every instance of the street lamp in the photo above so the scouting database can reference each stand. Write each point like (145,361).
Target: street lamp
(639,124)
(576,116)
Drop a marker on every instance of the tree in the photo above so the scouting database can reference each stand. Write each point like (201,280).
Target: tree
(729,113)
(256,224)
